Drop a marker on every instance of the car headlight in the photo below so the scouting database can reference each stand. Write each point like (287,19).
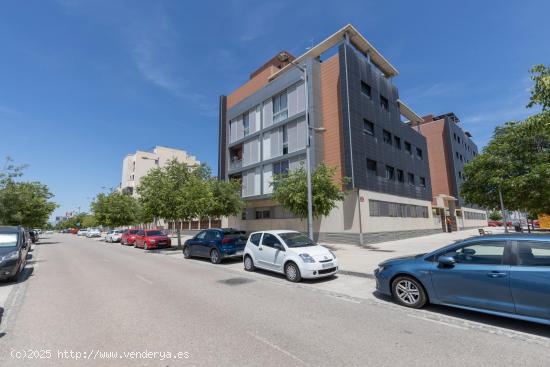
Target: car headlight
(12,255)
(332,253)
(307,258)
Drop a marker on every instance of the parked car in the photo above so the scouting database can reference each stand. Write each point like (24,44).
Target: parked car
(114,235)
(14,246)
(129,236)
(289,252)
(33,236)
(505,275)
(216,244)
(495,223)
(82,232)
(93,233)
(151,238)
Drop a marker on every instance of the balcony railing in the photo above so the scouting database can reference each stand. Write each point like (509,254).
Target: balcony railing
(235,164)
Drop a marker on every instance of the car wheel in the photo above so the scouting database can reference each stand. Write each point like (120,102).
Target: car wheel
(408,292)
(187,252)
(292,272)
(215,257)
(248,263)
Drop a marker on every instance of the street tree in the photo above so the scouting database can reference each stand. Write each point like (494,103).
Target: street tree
(495,215)
(225,199)
(22,202)
(516,161)
(290,190)
(116,209)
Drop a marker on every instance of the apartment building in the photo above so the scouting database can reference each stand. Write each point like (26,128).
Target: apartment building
(137,165)
(449,149)
(350,96)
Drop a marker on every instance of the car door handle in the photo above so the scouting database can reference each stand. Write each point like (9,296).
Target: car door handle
(260,249)
(496,274)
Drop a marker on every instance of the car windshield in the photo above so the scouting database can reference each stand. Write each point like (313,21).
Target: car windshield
(293,239)
(8,239)
(133,231)
(154,233)
(233,234)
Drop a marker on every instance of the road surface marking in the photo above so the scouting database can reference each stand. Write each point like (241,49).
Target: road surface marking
(276,347)
(438,322)
(143,279)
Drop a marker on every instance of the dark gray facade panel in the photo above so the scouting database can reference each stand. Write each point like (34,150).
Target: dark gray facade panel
(222,139)
(359,146)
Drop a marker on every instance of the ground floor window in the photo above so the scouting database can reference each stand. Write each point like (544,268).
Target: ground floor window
(379,208)
(474,216)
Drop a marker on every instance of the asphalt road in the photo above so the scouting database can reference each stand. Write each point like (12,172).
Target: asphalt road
(87,303)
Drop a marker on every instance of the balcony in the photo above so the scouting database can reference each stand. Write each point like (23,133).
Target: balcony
(235,163)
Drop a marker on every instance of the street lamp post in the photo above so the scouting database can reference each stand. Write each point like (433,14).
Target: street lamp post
(283,57)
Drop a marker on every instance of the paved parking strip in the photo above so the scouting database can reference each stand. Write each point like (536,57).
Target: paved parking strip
(221,315)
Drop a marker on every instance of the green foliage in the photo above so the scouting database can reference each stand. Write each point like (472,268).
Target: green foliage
(540,93)
(23,203)
(116,209)
(178,191)
(88,221)
(516,160)
(290,190)
(495,215)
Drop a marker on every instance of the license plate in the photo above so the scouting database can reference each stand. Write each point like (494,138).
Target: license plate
(328,265)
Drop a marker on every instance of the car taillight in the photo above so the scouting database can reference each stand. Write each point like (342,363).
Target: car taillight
(225,241)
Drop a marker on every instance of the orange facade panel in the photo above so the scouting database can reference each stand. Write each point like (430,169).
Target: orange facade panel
(440,177)
(330,109)
(250,87)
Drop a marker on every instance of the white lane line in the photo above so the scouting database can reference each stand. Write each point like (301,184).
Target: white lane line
(276,347)
(438,322)
(143,279)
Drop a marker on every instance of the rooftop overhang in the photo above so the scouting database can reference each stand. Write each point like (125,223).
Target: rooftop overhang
(357,40)
(409,113)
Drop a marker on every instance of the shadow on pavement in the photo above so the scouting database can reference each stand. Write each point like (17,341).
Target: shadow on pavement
(482,318)
(40,243)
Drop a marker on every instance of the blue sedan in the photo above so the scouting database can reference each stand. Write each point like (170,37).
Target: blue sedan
(505,275)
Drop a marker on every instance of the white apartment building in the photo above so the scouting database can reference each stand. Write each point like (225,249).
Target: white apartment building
(137,165)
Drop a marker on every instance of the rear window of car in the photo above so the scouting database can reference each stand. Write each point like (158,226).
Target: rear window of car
(133,231)
(8,239)
(154,233)
(233,234)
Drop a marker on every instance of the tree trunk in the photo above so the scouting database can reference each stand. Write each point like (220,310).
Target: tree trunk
(179,236)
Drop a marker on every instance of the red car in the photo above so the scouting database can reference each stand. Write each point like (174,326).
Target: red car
(129,236)
(152,238)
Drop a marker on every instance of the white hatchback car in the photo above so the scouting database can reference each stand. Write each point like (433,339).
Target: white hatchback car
(114,235)
(289,252)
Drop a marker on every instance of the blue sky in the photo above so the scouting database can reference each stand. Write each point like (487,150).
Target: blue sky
(83,83)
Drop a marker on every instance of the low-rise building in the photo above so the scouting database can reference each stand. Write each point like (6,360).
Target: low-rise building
(350,95)
(137,165)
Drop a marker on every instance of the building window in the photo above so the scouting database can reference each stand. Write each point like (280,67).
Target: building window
(384,103)
(387,137)
(285,140)
(397,142)
(368,127)
(246,124)
(365,89)
(263,214)
(419,153)
(474,216)
(280,107)
(379,208)
(410,179)
(422,182)
(400,176)
(390,173)
(280,168)
(243,215)
(372,168)
(408,147)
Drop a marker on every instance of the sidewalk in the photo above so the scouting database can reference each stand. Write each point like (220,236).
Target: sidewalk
(362,260)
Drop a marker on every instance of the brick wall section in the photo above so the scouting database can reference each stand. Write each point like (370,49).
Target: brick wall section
(251,86)
(437,157)
(330,109)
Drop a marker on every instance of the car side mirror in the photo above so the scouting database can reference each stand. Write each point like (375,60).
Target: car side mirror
(279,247)
(446,261)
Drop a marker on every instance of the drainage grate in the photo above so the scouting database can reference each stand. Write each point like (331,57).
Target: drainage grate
(235,281)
